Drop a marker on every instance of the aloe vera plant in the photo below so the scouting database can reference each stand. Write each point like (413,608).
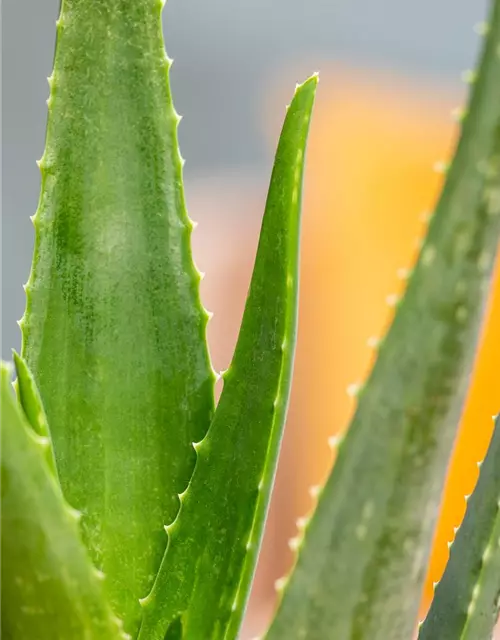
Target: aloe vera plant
(466,600)
(132,506)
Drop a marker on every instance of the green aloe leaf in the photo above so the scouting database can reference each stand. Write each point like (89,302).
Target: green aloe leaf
(30,401)
(466,600)
(361,566)
(50,589)
(114,331)
(203,584)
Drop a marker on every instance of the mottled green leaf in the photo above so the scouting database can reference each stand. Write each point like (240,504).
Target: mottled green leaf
(114,332)
(203,584)
(50,590)
(360,570)
(466,601)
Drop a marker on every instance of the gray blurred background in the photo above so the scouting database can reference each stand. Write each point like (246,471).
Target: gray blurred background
(226,53)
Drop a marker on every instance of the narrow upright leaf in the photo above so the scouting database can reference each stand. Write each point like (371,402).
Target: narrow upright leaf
(203,584)
(114,332)
(31,403)
(360,570)
(466,601)
(50,590)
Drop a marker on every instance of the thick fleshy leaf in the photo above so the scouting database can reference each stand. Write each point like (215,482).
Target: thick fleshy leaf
(203,584)
(466,601)
(361,566)
(114,331)
(50,589)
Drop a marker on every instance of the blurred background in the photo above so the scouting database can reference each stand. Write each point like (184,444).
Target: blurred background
(390,77)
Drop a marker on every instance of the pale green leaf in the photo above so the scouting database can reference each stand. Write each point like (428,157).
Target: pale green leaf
(50,590)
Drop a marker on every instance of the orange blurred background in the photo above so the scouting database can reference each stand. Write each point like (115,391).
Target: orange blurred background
(369,183)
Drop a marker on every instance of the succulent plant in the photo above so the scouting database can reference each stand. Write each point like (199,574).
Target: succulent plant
(132,506)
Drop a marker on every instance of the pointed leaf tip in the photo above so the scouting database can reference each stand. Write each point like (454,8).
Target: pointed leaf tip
(31,404)
(218,530)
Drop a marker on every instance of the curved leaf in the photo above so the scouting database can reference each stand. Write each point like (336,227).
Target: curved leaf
(203,584)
